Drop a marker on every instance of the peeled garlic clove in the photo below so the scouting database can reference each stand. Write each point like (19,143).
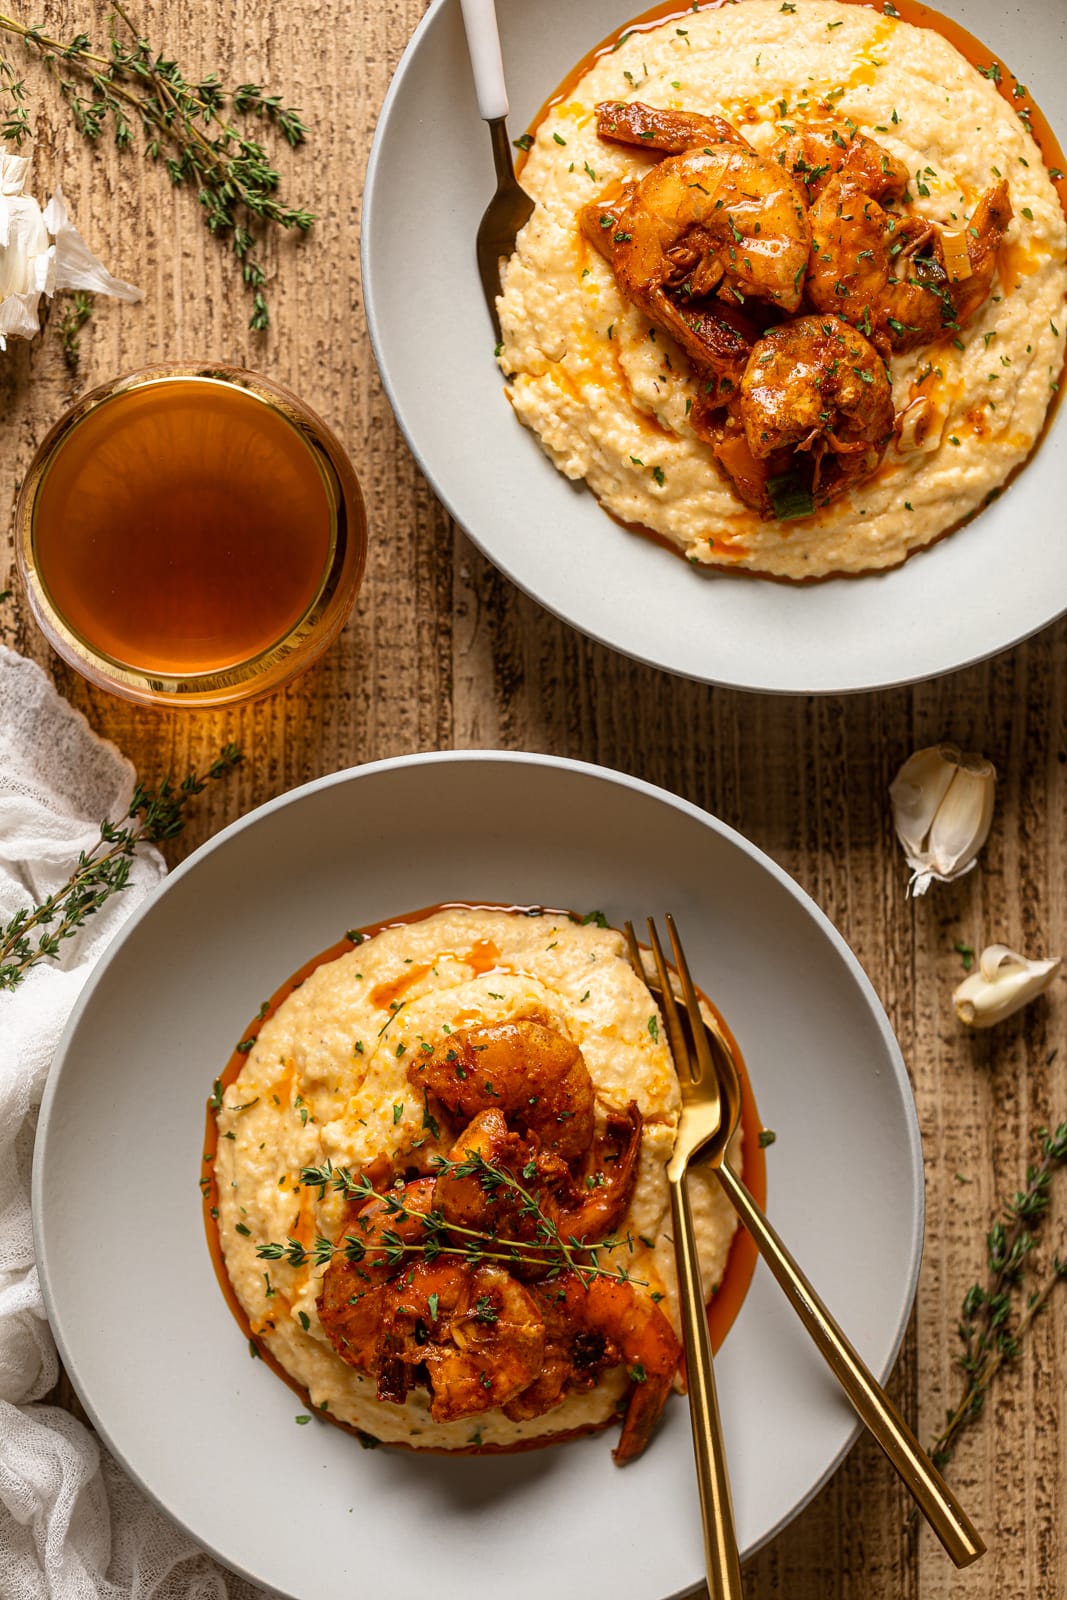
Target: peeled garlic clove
(942,811)
(1002,984)
(40,252)
(76,266)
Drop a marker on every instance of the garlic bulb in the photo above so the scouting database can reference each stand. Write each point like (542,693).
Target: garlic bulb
(40,252)
(1002,984)
(942,811)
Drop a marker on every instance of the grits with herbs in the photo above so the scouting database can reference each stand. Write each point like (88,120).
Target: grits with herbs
(441,1186)
(792,294)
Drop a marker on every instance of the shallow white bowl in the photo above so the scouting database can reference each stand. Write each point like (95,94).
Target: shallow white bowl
(141,1323)
(430,176)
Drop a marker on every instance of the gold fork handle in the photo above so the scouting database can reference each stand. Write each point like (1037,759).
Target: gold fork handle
(720,1540)
(935,1499)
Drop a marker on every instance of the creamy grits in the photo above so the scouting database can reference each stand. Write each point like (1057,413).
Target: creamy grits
(327,1080)
(609,395)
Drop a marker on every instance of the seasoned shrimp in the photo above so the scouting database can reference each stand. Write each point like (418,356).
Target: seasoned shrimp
(529,1071)
(478,1333)
(983,236)
(817,386)
(722,221)
(582,1208)
(887,274)
(589,1208)
(717,338)
(592,1325)
(814,152)
(352,1298)
(599,220)
(656,128)
(749,474)
(462,1198)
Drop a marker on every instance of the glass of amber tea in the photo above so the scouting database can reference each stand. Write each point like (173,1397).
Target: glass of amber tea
(191,535)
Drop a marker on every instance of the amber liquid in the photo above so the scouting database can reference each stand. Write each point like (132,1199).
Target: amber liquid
(183,527)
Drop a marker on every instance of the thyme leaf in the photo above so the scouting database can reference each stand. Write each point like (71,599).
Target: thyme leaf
(75,317)
(997,1315)
(546,1249)
(153,816)
(198,127)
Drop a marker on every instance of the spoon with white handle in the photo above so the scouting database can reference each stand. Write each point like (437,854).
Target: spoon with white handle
(510,206)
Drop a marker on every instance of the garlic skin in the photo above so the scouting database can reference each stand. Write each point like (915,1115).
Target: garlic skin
(40,252)
(942,812)
(1002,984)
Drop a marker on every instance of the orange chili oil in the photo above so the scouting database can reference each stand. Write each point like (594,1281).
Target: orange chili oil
(726,1300)
(1012,262)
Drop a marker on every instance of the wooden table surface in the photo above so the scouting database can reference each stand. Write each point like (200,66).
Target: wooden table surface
(443,652)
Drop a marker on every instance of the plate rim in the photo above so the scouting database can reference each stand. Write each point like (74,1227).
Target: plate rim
(872,681)
(586,769)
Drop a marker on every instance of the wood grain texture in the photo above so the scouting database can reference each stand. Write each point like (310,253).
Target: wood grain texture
(442,651)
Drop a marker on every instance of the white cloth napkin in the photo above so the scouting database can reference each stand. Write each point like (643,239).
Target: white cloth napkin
(72,1526)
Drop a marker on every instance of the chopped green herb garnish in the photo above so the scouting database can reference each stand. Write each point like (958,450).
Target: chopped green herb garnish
(789,496)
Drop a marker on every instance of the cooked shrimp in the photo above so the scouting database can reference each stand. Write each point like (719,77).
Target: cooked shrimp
(886,273)
(603,1323)
(749,475)
(462,1198)
(529,1071)
(656,128)
(716,338)
(583,1209)
(599,220)
(985,231)
(722,221)
(814,152)
(596,1202)
(351,1301)
(478,1333)
(817,386)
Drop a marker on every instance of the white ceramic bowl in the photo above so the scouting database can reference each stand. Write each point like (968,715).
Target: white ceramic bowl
(132,1297)
(429,179)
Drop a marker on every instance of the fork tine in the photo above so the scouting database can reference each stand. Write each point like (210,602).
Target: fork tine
(633,950)
(675,1031)
(705,1059)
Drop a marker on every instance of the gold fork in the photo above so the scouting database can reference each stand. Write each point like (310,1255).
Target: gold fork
(511,207)
(699,1124)
(934,1497)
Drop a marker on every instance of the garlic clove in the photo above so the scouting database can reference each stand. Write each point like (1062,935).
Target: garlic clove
(942,812)
(76,266)
(18,316)
(13,170)
(1002,984)
(40,252)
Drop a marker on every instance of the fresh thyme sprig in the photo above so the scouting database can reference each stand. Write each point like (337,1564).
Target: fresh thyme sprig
(189,123)
(75,317)
(14,117)
(549,1251)
(154,815)
(995,1317)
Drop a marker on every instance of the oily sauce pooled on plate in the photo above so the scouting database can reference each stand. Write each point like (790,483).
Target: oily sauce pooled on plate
(183,527)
